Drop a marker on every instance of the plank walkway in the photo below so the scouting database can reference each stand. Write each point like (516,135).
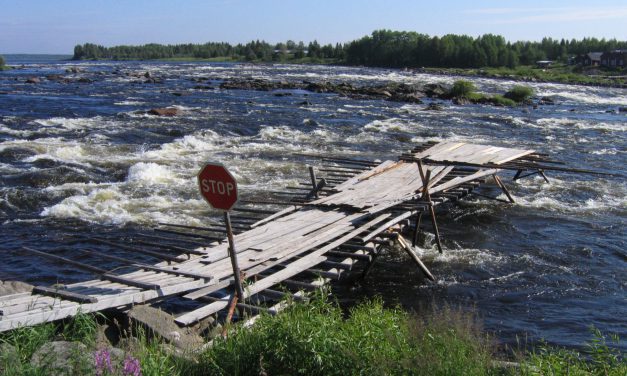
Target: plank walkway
(358,204)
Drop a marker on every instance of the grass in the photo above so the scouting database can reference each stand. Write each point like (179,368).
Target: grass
(466,90)
(561,73)
(316,339)
(319,338)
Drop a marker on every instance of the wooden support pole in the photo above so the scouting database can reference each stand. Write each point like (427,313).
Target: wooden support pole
(426,196)
(543,175)
(314,182)
(500,184)
(517,176)
(233,255)
(405,245)
(416,228)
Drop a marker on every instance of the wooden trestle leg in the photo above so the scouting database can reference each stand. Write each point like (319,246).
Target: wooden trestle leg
(427,197)
(500,184)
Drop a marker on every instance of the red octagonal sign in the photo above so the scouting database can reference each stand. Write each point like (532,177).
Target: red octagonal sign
(217,186)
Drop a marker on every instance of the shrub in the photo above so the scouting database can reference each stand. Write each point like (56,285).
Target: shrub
(499,100)
(316,339)
(601,359)
(2,62)
(519,93)
(462,89)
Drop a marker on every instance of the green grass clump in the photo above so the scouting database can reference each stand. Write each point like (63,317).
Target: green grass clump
(315,339)
(599,358)
(462,89)
(519,93)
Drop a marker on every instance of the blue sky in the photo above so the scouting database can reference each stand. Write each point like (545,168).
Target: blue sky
(55,26)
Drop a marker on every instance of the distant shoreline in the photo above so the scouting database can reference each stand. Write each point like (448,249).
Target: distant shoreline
(560,74)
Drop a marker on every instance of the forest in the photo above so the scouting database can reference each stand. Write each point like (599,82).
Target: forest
(383,48)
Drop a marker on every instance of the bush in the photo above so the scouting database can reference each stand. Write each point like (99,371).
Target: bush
(316,339)
(462,89)
(2,62)
(519,93)
(601,359)
(499,100)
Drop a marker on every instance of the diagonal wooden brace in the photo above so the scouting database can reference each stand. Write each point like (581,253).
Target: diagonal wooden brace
(505,190)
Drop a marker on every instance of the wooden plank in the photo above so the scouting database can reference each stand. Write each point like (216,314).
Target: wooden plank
(64,294)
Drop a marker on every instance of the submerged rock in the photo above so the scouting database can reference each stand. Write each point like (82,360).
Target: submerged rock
(169,111)
(32,80)
(546,101)
(434,107)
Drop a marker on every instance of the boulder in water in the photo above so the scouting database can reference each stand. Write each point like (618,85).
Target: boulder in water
(168,111)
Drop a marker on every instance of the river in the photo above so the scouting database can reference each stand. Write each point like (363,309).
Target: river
(83,158)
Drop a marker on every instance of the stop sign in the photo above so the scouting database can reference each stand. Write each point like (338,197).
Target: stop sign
(217,186)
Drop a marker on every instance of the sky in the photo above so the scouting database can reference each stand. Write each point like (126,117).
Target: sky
(56,26)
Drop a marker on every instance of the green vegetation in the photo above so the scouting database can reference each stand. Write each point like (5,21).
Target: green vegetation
(384,48)
(253,51)
(558,73)
(314,338)
(3,63)
(519,93)
(462,89)
(488,55)
(398,49)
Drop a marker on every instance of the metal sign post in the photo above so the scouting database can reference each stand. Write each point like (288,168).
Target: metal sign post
(219,189)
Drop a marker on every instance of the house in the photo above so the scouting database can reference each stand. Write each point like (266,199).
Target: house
(590,59)
(614,59)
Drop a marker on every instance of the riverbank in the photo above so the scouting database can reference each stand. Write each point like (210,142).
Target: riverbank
(562,74)
(315,337)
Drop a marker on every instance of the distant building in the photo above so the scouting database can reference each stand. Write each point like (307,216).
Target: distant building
(614,59)
(590,59)
(544,63)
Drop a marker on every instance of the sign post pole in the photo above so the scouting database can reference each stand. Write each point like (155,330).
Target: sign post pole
(233,255)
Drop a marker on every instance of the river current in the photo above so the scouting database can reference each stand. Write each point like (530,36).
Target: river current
(83,158)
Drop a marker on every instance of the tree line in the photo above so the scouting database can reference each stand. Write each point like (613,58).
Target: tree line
(252,51)
(383,48)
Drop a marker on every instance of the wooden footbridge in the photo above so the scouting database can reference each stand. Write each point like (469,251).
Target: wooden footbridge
(331,227)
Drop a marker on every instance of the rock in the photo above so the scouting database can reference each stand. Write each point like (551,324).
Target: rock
(434,107)
(546,101)
(177,93)
(32,80)
(622,109)
(169,111)
(147,75)
(410,98)
(435,90)
(84,80)
(8,355)
(63,358)
(304,103)
(203,87)
(162,324)
(73,70)
(54,77)
(282,94)
(460,101)
(14,287)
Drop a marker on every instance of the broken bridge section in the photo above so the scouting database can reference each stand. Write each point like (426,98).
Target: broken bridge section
(330,227)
